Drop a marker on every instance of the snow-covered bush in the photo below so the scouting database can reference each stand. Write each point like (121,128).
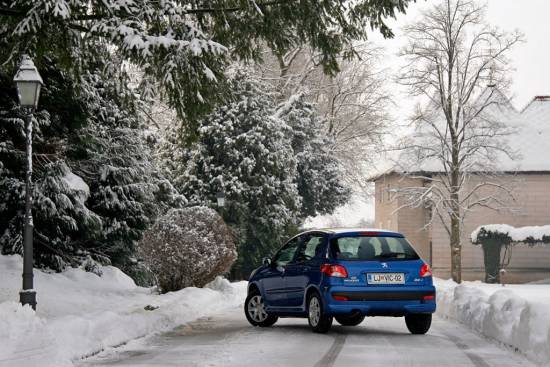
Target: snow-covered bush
(188,247)
(530,235)
(494,237)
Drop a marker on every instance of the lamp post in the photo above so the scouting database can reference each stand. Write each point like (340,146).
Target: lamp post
(28,82)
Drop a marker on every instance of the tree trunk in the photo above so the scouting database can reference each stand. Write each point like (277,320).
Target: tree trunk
(456,246)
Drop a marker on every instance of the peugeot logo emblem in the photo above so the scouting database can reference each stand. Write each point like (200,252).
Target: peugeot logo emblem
(384,265)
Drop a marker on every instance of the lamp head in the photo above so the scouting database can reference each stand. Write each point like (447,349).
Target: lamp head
(28,82)
(220,196)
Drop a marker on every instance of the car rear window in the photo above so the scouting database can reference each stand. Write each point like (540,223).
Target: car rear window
(372,248)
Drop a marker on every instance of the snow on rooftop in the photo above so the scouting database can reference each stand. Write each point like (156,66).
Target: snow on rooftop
(529,140)
(533,141)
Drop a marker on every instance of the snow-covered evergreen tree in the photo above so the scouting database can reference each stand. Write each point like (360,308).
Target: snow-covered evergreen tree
(182,47)
(127,189)
(96,186)
(60,217)
(243,150)
(273,163)
(320,177)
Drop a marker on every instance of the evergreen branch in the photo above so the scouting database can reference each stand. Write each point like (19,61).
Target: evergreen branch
(234,9)
(11,12)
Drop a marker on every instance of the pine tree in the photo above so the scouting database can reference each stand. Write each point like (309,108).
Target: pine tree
(96,185)
(273,163)
(243,150)
(182,47)
(320,177)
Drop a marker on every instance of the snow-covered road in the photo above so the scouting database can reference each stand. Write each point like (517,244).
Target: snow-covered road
(226,339)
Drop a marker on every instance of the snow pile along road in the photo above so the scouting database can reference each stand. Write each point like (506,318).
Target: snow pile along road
(515,315)
(80,313)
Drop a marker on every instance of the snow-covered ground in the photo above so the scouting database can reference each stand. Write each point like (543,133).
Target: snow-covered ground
(227,340)
(79,313)
(517,315)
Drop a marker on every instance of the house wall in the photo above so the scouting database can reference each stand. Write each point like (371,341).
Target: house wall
(532,193)
(409,221)
(532,207)
(385,207)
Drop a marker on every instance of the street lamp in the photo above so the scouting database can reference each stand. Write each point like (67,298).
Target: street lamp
(28,82)
(220,196)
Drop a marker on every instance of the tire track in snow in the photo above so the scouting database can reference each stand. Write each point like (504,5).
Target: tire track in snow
(330,356)
(476,360)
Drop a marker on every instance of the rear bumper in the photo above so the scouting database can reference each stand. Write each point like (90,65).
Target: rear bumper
(380,301)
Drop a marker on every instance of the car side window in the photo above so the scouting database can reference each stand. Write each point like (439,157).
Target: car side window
(286,254)
(311,248)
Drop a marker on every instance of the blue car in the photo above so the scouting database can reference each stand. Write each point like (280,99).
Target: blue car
(342,274)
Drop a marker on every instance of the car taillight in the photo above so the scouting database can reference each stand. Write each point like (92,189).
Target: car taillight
(425,271)
(340,298)
(429,297)
(337,271)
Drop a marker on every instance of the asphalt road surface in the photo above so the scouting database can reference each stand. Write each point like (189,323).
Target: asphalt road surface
(228,340)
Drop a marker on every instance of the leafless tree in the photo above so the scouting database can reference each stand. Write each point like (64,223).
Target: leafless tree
(353,102)
(454,61)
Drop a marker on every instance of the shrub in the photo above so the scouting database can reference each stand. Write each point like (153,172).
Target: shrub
(188,247)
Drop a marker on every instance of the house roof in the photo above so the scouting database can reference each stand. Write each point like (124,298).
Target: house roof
(530,140)
(533,141)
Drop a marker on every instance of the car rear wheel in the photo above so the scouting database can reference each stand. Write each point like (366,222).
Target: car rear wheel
(349,320)
(418,323)
(254,310)
(318,320)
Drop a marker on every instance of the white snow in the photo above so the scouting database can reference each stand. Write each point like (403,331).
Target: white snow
(516,315)
(519,234)
(79,313)
(76,183)
(533,141)
(527,138)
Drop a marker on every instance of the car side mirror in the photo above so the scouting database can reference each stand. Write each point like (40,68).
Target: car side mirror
(266,261)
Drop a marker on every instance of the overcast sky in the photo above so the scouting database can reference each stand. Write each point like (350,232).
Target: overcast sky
(531,59)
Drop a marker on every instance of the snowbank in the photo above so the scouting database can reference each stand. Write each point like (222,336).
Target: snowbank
(79,313)
(516,315)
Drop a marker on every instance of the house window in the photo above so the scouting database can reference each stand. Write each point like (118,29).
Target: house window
(388,192)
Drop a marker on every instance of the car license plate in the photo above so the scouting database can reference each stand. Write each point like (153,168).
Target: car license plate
(386,278)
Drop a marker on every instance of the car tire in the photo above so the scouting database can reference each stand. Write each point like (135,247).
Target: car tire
(418,323)
(317,319)
(255,312)
(349,320)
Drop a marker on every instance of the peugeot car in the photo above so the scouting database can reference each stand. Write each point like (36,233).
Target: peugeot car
(342,274)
